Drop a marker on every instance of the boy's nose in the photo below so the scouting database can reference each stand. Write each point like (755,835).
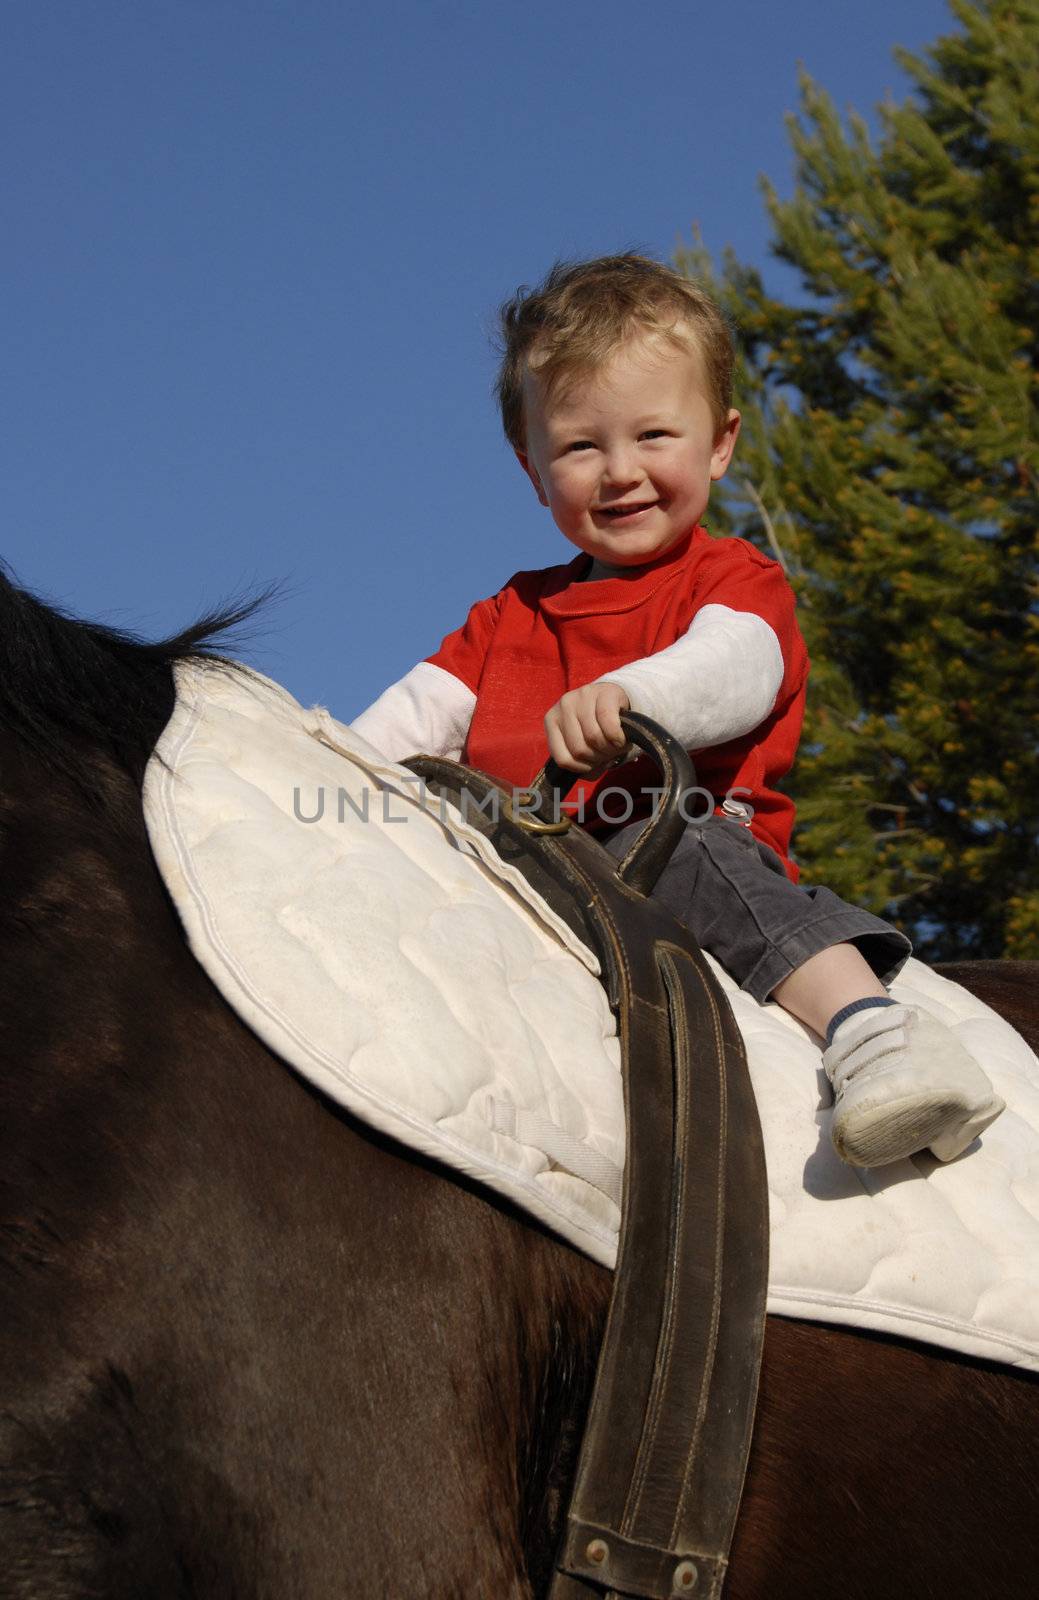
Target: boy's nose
(621,468)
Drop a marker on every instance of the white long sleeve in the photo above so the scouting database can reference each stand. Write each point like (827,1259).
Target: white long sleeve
(715,683)
(427,712)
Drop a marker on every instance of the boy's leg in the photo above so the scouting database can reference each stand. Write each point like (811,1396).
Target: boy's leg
(795,945)
(827,982)
(734,895)
(902,1081)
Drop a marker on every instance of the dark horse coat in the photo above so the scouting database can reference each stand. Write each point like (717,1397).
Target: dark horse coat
(249,1350)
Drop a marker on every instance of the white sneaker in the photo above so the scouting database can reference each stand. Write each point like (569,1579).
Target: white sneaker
(902,1082)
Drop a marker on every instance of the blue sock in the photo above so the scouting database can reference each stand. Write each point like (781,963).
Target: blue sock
(849,1011)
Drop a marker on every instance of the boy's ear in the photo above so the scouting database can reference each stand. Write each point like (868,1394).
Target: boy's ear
(725,444)
(532,473)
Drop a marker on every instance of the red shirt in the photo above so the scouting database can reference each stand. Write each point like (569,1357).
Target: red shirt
(547,632)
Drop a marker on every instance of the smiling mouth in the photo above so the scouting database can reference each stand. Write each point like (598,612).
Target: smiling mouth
(618,513)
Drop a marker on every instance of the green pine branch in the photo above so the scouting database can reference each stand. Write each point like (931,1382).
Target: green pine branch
(889,459)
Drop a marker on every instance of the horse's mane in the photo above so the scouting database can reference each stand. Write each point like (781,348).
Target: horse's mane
(67,685)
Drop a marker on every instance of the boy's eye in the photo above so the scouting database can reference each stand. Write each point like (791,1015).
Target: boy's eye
(655,433)
(581,444)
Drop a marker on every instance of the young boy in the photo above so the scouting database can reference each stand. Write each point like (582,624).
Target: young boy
(615,390)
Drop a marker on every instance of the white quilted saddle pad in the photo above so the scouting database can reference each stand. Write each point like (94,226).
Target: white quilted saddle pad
(375,942)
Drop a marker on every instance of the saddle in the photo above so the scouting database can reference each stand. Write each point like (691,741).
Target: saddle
(666,1442)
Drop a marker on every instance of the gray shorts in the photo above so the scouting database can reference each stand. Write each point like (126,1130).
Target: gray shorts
(734,896)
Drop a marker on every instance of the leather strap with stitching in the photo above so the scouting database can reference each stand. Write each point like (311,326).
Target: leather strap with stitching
(668,1431)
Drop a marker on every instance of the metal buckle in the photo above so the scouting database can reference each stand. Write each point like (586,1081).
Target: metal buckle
(528,823)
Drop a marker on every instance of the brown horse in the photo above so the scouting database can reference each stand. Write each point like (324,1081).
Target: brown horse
(249,1350)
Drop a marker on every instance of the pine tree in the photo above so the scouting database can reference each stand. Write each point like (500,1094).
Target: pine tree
(889,457)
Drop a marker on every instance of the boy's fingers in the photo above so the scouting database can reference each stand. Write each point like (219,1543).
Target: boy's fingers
(583,728)
(592,732)
(560,754)
(611,700)
(560,747)
(579,731)
(610,722)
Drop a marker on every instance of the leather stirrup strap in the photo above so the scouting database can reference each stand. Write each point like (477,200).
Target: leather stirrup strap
(668,1431)
(668,1434)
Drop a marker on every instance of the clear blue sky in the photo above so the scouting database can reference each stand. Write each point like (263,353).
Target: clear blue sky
(251,255)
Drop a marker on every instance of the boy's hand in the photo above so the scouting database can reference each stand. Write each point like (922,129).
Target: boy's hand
(583,728)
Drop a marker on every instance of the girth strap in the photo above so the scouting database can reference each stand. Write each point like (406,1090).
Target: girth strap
(668,1432)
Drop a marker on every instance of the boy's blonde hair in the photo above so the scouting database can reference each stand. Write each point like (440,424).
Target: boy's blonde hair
(584,310)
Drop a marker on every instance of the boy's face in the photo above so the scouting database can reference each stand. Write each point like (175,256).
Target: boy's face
(624,457)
